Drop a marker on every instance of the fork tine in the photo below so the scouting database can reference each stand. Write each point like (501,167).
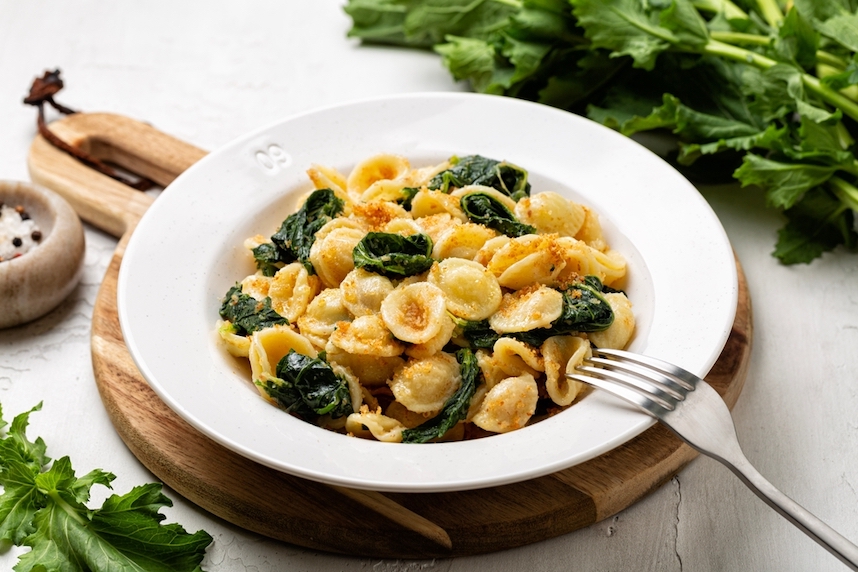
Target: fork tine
(643,386)
(684,377)
(656,378)
(624,392)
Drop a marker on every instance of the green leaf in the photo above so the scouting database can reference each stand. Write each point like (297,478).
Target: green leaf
(484,209)
(455,408)
(771,138)
(297,233)
(476,61)
(797,40)
(817,224)
(44,508)
(784,183)
(267,258)
(843,29)
(319,388)
(394,255)
(502,176)
(247,314)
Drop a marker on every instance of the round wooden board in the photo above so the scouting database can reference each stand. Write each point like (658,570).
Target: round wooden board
(303,512)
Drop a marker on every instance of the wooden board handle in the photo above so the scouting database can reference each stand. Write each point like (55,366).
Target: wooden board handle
(131,144)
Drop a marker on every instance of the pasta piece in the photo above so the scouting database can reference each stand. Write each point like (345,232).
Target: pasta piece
(371,370)
(434,345)
(421,177)
(322,316)
(268,346)
(562,355)
(374,215)
(292,289)
(515,358)
(619,333)
(408,418)
(331,256)
(435,225)
(504,199)
(424,385)
(471,291)
(366,335)
(551,213)
(254,241)
(238,346)
(581,260)
(376,168)
(591,231)
(527,309)
(488,250)
(509,405)
(414,313)
(427,203)
(364,291)
(256,286)
(382,428)
(403,226)
(462,241)
(355,389)
(329,178)
(527,260)
(385,190)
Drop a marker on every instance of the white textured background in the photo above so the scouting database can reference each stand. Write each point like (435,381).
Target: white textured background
(210,71)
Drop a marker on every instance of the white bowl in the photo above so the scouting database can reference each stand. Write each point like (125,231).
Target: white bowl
(186,252)
(35,283)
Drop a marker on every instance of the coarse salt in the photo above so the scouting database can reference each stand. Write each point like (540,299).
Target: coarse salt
(18,232)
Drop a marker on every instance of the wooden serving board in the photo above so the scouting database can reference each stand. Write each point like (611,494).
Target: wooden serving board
(303,512)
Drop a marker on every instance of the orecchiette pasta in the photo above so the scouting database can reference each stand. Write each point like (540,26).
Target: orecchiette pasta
(385,308)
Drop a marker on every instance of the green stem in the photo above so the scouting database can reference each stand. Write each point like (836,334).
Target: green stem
(830,59)
(730,10)
(740,38)
(846,192)
(60,502)
(812,83)
(771,12)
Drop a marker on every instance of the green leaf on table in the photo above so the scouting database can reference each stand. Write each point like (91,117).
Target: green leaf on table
(842,28)
(817,224)
(784,183)
(44,507)
(476,61)
(797,40)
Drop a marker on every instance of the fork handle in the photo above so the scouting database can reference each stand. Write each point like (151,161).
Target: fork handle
(808,523)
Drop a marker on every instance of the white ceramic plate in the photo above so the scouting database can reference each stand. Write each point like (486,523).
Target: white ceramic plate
(187,251)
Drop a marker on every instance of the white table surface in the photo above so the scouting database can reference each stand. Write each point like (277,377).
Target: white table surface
(208,72)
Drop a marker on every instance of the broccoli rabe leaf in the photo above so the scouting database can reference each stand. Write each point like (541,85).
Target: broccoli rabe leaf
(505,177)
(247,314)
(456,407)
(309,386)
(485,209)
(393,255)
(298,232)
(585,309)
(267,258)
(44,508)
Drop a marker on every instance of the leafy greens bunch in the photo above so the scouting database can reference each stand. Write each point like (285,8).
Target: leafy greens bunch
(43,506)
(765,91)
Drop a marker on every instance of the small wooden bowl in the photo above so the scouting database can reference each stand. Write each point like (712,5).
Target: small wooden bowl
(34,283)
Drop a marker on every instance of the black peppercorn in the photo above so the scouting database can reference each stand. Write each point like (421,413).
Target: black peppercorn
(17,242)
(37,235)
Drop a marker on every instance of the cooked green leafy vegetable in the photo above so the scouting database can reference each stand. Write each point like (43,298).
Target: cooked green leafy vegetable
(763,91)
(247,314)
(408,194)
(298,232)
(477,170)
(308,387)
(585,309)
(394,255)
(482,208)
(267,258)
(43,506)
(455,409)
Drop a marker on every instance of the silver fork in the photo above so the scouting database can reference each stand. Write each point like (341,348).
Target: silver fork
(696,413)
